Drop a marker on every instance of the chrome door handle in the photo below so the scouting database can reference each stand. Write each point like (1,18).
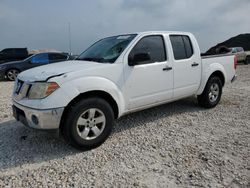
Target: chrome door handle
(195,64)
(167,68)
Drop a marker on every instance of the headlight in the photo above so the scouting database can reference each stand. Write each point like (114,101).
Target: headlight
(41,90)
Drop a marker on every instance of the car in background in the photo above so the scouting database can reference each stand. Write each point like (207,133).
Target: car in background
(248,57)
(10,70)
(13,54)
(240,53)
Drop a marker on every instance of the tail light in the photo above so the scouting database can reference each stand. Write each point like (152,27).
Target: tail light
(235,62)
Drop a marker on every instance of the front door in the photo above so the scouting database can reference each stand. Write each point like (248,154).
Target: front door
(39,59)
(148,74)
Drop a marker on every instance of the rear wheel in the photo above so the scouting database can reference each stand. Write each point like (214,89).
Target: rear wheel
(247,61)
(88,123)
(211,95)
(12,74)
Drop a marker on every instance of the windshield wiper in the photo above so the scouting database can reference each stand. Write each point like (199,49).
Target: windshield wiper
(86,59)
(99,60)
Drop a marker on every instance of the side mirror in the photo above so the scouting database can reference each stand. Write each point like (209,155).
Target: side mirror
(138,58)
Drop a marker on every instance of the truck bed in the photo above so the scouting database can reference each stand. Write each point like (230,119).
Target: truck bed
(205,56)
(220,61)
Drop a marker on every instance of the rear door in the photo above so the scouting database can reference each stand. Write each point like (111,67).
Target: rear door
(187,66)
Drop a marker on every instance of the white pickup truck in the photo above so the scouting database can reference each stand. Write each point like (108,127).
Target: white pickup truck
(116,76)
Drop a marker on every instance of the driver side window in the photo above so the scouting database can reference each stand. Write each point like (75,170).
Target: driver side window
(149,49)
(40,59)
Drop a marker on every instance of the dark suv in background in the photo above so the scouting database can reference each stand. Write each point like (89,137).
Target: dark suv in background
(13,54)
(10,70)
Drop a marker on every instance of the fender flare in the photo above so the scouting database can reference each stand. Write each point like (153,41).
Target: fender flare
(213,68)
(79,86)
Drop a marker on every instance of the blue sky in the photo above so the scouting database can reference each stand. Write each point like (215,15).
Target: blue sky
(43,24)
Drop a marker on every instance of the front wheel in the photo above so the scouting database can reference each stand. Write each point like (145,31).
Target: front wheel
(211,95)
(12,74)
(88,123)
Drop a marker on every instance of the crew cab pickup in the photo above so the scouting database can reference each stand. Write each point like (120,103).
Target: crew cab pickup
(116,76)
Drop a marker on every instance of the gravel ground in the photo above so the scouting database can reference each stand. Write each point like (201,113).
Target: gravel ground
(174,145)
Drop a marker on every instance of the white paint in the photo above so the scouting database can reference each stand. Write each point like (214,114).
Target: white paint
(133,88)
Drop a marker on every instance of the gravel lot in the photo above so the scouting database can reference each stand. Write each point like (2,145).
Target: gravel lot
(174,145)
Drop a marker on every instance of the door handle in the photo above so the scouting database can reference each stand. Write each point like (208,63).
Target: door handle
(167,68)
(195,64)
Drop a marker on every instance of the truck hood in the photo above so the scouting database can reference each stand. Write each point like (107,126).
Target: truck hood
(45,72)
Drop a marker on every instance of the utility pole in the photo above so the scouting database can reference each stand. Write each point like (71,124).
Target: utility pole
(70,51)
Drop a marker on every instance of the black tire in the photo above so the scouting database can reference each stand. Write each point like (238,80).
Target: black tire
(247,61)
(205,99)
(11,74)
(71,129)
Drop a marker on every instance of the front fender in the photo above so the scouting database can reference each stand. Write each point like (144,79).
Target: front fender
(72,88)
(207,72)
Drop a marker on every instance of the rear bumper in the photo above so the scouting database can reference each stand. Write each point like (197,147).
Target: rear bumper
(38,119)
(234,78)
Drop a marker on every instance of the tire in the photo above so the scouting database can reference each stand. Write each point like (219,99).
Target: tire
(81,129)
(11,74)
(211,95)
(247,61)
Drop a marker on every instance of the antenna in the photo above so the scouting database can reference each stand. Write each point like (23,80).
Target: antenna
(70,38)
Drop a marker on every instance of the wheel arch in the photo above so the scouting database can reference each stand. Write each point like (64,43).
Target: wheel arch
(11,68)
(95,93)
(247,60)
(8,69)
(219,73)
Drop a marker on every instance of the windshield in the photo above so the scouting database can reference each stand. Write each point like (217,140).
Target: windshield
(29,58)
(107,50)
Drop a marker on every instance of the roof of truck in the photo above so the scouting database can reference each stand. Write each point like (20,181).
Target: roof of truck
(164,32)
(153,33)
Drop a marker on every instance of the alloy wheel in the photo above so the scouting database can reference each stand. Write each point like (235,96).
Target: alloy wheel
(214,92)
(91,124)
(12,74)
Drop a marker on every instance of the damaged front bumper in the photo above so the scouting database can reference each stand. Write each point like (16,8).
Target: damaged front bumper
(36,118)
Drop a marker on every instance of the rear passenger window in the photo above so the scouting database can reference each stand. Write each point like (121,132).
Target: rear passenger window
(178,47)
(239,49)
(54,57)
(188,46)
(182,46)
